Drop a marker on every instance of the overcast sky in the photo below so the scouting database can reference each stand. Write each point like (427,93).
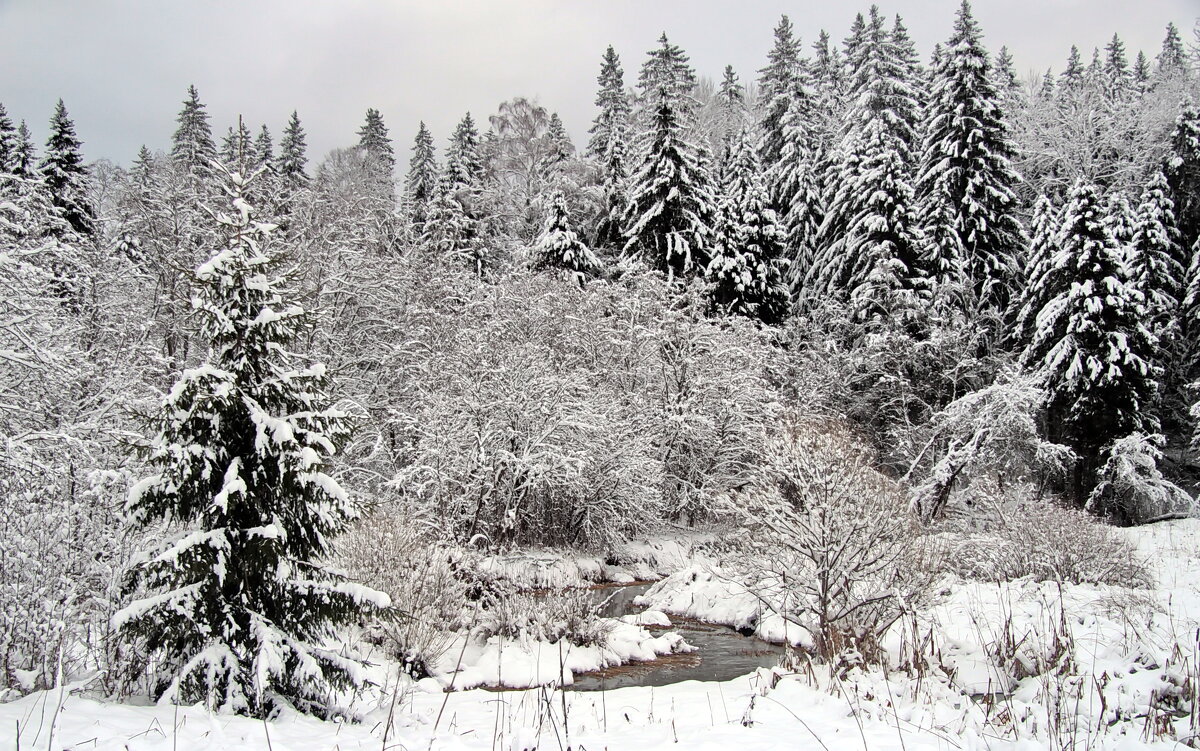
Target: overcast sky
(123,66)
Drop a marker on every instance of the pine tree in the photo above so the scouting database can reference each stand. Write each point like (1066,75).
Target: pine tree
(1044,277)
(966,182)
(747,269)
(778,83)
(609,147)
(1172,59)
(1183,174)
(236,603)
(373,139)
(1118,80)
(1071,79)
(559,146)
(192,146)
(670,205)
(1091,343)
(65,178)
(25,156)
(8,143)
(293,156)
(237,147)
(264,149)
(869,250)
(560,247)
(421,184)
(464,161)
(1155,260)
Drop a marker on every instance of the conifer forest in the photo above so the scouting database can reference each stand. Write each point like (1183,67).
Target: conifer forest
(852,400)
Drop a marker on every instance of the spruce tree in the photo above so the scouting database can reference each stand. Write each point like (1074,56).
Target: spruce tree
(1118,78)
(560,247)
(8,143)
(1172,59)
(966,182)
(25,156)
(1155,261)
(1183,174)
(748,271)
(373,139)
(609,146)
(421,184)
(1044,278)
(1091,343)
(668,219)
(464,160)
(558,146)
(264,149)
(237,147)
(65,178)
(234,601)
(192,146)
(778,83)
(293,155)
(1071,79)
(869,247)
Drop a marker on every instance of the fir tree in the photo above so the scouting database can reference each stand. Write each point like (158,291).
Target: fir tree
(670,205)
(65,177)
(8,143)
(1172,59)
(451,231)
(1091,343)
(1155,260)
(778,83)
(1071,79)
(747,270)
(1141,72)
(264,149)
(464,162)
(1006,74)
(609,146)
(559,147)
(293,156)
(25,155)
(560,247)
(1044,277)
(236,603)
(1183,174)
(1116,69)
(192,145)
(966,182)
(373,139)
(869,250)
(237,147)
(421,183)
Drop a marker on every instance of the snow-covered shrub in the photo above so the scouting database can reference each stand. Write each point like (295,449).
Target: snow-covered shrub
(832,546)
(1130,487)
(428,581)
(983,439)
(548,615)
(1006,539)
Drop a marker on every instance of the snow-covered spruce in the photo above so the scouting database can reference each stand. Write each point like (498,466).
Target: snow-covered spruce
(559,247)
(231,599)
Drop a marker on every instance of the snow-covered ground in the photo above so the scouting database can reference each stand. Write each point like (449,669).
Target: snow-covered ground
(1085,667)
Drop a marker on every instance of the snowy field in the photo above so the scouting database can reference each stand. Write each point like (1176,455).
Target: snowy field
(1076,667)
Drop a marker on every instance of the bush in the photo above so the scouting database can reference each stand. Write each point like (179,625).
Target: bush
(1006,540)
(834,548)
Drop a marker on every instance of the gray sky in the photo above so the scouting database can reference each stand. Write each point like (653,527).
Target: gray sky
(123,66)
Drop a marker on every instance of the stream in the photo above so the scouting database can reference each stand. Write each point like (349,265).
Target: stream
(723,653)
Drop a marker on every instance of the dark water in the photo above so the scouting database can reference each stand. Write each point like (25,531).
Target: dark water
(723,653)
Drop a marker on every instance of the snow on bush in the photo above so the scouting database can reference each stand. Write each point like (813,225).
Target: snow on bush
(1132,487)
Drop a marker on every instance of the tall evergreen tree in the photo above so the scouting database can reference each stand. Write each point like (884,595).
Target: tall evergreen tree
(1172,59)
(65,177)
(8,142)
(609,146)
(421,185)
(237,147)
(1071,79)
(1044,277)
(1183,174)
(966,182)
(192,146)
(464,161)
(1091,343)
(668,219)
(560,148)
(236,603)
(1118,78)
(869,249)
(778,83)
(293,154)
(264,149)
(373,139)
(748,270)
(560,247)
(1155,260)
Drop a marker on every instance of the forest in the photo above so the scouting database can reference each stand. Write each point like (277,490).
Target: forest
(887,361)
